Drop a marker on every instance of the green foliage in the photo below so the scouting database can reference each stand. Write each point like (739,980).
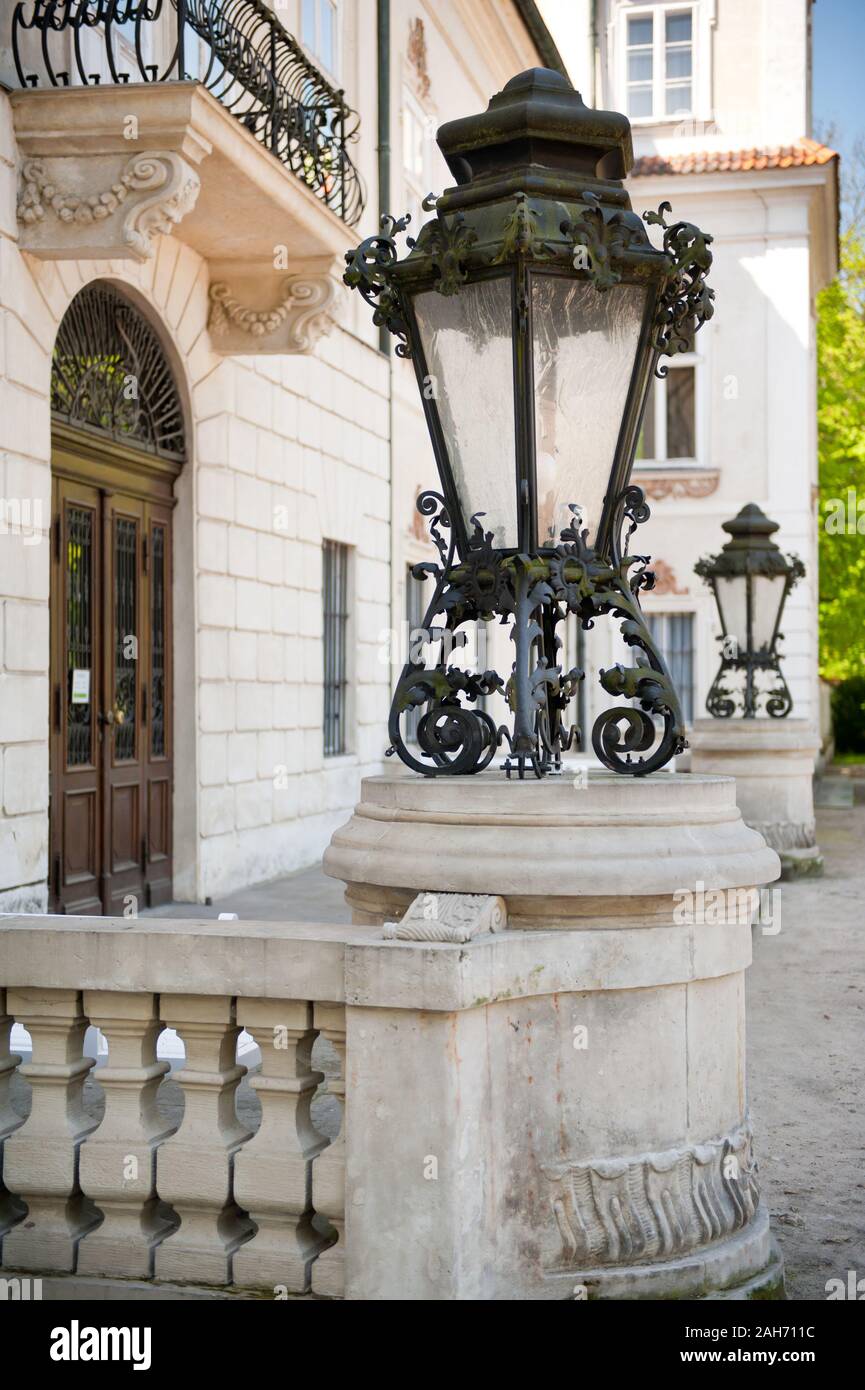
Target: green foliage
(841,423)
(848,715)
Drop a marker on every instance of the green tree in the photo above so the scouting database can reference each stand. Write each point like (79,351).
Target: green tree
(841,425)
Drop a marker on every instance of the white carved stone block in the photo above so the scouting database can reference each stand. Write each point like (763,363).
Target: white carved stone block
(328,1171)
(41,1157)
(101,207)
(273,1172)
(118,1161)
(195,1166)
(452,917)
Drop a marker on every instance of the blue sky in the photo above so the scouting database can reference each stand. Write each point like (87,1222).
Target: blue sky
(839,77)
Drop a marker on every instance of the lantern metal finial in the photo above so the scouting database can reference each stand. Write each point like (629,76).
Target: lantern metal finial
(750,579)
(537,234)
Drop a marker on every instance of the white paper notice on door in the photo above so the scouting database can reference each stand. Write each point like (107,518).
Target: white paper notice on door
(80,687)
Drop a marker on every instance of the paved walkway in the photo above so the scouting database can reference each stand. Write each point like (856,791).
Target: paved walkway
(806,1021)
(307,895)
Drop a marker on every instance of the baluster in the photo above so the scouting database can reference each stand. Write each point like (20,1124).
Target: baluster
(195,1167)
(273,1173)
(41,1158)
(118,1163)
(328,1172)
(11,1210)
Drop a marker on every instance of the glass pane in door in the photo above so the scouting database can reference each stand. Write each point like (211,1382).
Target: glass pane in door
(125,636)
(80,693)
(157,645)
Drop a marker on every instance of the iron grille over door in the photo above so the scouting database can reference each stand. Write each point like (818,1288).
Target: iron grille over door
(335,596)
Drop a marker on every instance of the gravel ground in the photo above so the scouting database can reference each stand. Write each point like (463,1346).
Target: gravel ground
(806,1021)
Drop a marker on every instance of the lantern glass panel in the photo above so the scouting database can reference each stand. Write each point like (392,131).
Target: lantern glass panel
(733,602)
(585,346)
(468,344)
(768,596)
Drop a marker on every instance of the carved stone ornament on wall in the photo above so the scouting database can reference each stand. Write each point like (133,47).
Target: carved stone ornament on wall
(655,1205)
(301,315)
(658,486)
(665,579)
(417,56)
(90,208)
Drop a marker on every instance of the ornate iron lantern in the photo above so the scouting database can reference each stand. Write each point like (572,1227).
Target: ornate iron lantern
(535,309)
(750,580)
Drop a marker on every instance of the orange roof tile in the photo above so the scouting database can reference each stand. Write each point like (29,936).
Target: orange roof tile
(801,155)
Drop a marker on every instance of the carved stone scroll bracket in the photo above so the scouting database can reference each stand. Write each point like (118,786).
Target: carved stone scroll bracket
(103,207)
(259,311)
(449,917)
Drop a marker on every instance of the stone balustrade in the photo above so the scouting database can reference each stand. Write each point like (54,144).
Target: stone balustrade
(528,1094)
(145,1193)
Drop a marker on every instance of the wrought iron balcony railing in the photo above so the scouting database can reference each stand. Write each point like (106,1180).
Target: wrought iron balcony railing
(237,48)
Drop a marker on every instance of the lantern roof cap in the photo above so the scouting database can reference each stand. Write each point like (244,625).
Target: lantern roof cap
(750,550)
(540,118)
(751,524)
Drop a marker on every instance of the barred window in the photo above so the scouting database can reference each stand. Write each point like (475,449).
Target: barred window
(335,600)
(674,634)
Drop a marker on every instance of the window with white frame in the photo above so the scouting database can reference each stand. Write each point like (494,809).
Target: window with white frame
(671,421)
(659,62)
(416,157)
(319,28)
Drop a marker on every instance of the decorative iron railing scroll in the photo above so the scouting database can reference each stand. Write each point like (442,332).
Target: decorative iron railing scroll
(237,48)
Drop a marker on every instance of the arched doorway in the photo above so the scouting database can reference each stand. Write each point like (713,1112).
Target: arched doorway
(118,444)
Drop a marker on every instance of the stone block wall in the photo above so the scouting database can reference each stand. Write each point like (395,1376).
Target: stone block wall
(283,453)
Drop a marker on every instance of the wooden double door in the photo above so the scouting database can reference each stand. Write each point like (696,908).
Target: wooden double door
(111,693)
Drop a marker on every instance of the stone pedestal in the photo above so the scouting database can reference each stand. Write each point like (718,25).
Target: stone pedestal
(547,1090)
(772,761)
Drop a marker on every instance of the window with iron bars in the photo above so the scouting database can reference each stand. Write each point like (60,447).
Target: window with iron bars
(674,635)
(335,601)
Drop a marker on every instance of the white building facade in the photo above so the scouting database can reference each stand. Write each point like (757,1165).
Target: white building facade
(718,94)
(247,518)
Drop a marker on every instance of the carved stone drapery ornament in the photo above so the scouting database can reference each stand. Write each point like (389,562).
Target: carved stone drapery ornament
(655,1205)
(665,579)
(294,324)
(417,57)
(60,217)
(659,486)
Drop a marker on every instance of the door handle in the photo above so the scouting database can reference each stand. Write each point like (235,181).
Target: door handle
(116,715)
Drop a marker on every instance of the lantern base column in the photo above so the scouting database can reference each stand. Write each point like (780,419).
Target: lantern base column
(772,761)
(547,1053)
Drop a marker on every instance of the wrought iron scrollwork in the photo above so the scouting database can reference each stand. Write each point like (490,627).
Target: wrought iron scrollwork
(686,300)
(446,242)
(535,593)
(370,270)
(602,236)
(237,48)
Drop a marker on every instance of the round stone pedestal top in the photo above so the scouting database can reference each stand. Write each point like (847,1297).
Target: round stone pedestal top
(572,836)
(754,736)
